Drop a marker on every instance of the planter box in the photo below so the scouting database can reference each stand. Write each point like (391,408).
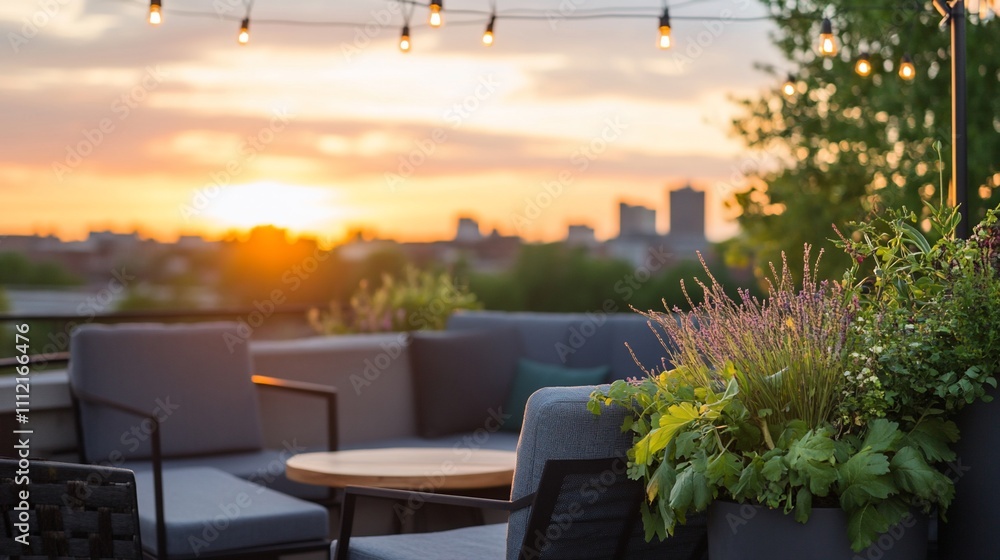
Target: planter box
(742,531)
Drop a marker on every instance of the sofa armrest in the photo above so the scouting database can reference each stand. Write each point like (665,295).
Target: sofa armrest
(311,389)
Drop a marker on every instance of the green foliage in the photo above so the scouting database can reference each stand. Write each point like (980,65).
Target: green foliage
(931,320)
(538,281)
(16,269)
(811,396)
(420,300)
(846,146)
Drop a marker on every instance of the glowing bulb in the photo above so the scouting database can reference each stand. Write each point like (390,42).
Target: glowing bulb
(488,34)
(404,39)
(434,19)
(789,88)
(864,65)
(244,37)
(664,41)
(155,17)
(906,69)
(827,43)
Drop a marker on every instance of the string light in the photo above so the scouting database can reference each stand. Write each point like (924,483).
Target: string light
(488,34)
(404,39)
(664,41)
(789,88)
(244,37)
(827,42)
(906,69)
(864,65)
(155,17)
(434,19)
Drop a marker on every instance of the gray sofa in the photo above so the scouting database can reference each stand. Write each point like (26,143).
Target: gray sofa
(379,385)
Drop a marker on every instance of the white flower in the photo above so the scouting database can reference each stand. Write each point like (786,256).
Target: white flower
(914,344)
(877,349)
(908,327)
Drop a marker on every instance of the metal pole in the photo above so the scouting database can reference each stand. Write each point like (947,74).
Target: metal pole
(959,137)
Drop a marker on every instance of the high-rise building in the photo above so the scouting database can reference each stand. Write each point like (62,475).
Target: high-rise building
(635,220)
(687,222)
(580,234)
(468,231)
(687,211)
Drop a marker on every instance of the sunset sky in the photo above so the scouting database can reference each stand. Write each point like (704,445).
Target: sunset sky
(111,123)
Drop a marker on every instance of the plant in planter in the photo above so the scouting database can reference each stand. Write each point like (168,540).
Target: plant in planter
(935,319)
(777,403)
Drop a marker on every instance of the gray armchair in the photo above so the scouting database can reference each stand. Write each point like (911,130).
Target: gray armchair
(177,405)
(570,499)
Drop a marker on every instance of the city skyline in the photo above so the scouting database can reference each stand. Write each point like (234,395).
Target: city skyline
(171,130)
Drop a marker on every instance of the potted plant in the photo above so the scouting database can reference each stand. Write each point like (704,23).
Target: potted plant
(782,409)
(936,310)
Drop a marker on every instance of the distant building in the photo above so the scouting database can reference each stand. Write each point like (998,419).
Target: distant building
(635,220)
(687,222)
(581,235)
(468,231)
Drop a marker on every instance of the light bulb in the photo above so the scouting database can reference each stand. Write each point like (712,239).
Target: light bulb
(789,88)
(244,37)
(906,69)
(404,39)
(434,19)
(155,17)
(864,65)
(664,41)
(827,43)
(488,34)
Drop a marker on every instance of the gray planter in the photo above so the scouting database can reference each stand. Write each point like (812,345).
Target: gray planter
(747,532)
(974,516)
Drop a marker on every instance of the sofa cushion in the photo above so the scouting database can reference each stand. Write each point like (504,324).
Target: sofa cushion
(461,378)
(178,373)
(208,511)
(484,542)
(266,467)
(543,335)
(633,329)
(532,376)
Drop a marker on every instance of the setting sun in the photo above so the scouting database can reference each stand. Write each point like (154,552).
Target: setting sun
(297,208)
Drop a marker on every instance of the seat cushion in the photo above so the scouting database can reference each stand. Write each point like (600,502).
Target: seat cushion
(208,511)
(483,542)
(266,467)
(461,379)
(544,336)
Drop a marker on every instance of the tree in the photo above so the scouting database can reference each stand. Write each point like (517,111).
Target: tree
(849,145)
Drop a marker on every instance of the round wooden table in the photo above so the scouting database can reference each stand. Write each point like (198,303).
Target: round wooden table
(405,468)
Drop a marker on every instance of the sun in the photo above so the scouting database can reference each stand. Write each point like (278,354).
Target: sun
(293,207)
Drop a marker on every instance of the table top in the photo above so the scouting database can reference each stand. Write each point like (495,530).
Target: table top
(405,468)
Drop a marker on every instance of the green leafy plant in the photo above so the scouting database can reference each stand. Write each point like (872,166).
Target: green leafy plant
(763,408)
(420,300)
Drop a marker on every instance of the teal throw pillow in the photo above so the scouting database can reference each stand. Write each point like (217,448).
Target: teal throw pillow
(532,376)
